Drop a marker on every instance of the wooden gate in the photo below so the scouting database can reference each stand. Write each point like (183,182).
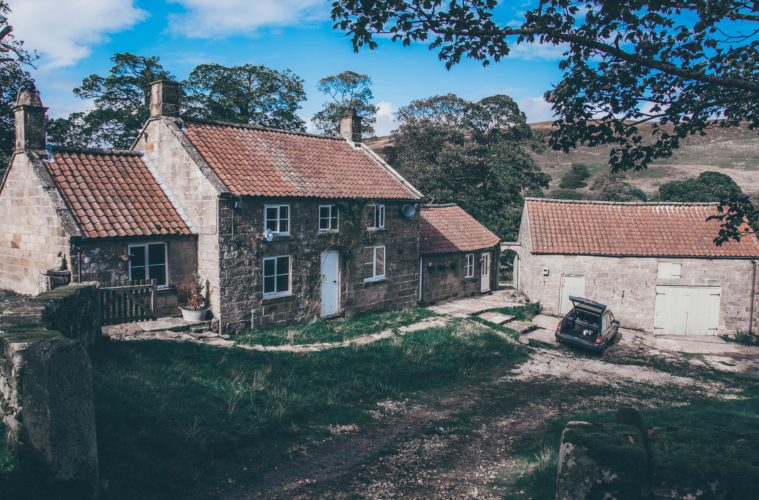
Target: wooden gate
(128,301)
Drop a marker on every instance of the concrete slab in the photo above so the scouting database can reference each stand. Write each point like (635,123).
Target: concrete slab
(521,326)
(496,318)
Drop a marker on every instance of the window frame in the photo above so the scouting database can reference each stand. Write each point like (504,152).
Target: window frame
(664,271)
(378,216)
(375,276)
(334,213)
(146,266)
(469,266)
(276,275)
(279,218)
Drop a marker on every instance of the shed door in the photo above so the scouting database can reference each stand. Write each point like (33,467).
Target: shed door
(687,310)
(570,285)
(330,284)
(485,272)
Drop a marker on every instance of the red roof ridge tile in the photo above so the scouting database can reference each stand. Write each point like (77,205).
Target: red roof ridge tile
(249,126)
(624,203)
(95,151)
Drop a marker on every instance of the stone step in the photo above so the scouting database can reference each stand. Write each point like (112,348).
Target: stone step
(495,317)
(200,327)
(521,327)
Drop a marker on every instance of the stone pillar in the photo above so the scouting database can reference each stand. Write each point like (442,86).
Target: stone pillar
(164,98)
(350,126)
(30,118)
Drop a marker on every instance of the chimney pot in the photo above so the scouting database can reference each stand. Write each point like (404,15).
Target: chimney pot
(30,118)
(164,98)
(350,125)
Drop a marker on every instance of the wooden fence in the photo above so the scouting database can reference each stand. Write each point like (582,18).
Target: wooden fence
(127,301)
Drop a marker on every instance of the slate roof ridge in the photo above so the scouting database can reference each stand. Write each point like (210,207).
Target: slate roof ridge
(627,203)
(95,151)
(260,128)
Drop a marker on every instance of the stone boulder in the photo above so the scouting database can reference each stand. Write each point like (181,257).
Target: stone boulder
(598,461)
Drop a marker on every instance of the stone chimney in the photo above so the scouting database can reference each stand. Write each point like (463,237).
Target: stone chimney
(350,125)
(30,118)
(164,98)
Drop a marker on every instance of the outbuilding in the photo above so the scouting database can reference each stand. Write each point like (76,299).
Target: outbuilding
(458,255)
(654,264)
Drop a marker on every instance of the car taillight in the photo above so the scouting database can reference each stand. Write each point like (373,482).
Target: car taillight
(599,340)
(558,327)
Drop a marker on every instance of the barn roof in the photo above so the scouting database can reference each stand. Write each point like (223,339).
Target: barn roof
(449,229)
(256,161)
(113,194)
(631,229)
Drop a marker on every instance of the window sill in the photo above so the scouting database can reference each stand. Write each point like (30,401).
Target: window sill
(379,279)
(328,231)
(280,297)
(375,229)
(470,278)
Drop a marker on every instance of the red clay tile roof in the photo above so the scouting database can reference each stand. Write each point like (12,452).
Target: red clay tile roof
(113,194)
(262,162)
(448,229)
(630,229)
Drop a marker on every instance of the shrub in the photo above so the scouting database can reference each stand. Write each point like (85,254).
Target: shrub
(575,177)
(566,194)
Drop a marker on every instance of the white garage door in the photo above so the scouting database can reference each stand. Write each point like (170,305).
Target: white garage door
(570,285)
(687,310)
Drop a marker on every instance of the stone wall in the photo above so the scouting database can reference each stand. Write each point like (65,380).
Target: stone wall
(32,233)
(243,249)
(46,395)
(444,276)
(628,284)
(101,261)
(167,154)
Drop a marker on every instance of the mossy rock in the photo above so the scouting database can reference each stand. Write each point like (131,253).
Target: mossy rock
(602,461)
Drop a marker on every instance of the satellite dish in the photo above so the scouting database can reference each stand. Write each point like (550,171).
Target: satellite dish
(269,235)
(408,211)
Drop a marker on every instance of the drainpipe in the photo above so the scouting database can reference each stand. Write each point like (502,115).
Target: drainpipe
(421,274)
(753,298)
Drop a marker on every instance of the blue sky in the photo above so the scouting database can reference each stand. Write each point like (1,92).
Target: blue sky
(77,37)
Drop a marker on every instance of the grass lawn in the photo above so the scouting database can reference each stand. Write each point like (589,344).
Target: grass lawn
(180,420)
(696,444)
(521,313)
(334,330)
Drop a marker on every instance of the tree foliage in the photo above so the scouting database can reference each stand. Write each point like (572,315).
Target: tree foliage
(575,177)
(347,90)
(122,104)
(13,57)
(248,93)
(682,66)
(476,154)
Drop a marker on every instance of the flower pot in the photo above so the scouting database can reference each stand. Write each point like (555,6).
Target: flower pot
(194,314)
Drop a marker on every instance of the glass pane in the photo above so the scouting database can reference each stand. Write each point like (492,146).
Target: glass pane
(137,272)
(333,223)
(272,225)
(158,273)
(268,267)
(269,285)
(380,261)
(283,283)
(324,212)
(271,213)
(137,256)
(381,216)
(157,254)
(283,265)
(284,226)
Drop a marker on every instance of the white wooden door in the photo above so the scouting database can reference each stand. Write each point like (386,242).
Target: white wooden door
(687,310)
(330,283)
(570,285)
(485,272)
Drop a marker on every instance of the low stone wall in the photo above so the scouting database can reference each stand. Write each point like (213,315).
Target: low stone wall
(46,395)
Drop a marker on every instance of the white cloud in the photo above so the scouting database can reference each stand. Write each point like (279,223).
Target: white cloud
(531,51)
(220,18)
(385,116)
(536,109)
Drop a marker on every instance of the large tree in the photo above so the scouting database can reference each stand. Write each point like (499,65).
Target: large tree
(249,94)
(682,66)
(122,104)
(476,154)
(13,57)
(347,90)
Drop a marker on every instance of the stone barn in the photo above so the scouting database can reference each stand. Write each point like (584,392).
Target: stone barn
(87,215)
(654,264)
(459,256)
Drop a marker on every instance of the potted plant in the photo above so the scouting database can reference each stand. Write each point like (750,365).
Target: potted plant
(196,308)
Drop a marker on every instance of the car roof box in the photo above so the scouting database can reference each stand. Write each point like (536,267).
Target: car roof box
(587,305)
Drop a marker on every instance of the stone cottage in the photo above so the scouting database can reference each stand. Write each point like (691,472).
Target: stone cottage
(94,215)
(458,254)
(289,225)
(654,264)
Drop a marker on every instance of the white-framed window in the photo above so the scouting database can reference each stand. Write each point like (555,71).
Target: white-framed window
(277,218)
(328,217)
(470,265)
(149,261)
(377,214)
(277,274)
(377,263)
(669,270)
